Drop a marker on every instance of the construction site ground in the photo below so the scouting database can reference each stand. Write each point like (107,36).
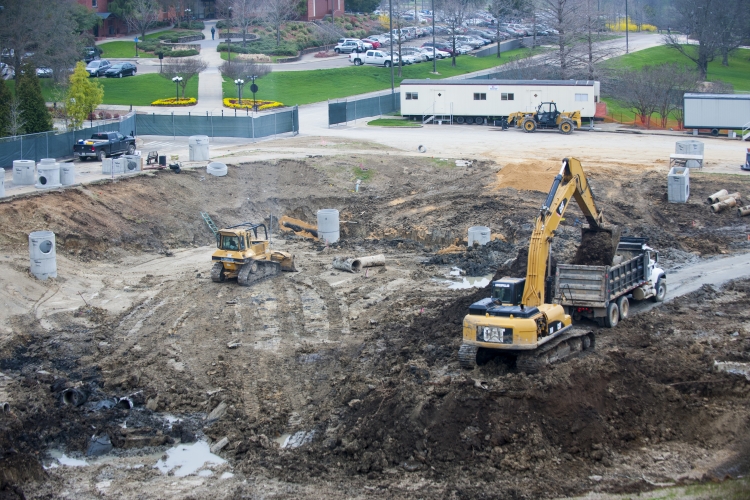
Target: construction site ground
(327,384)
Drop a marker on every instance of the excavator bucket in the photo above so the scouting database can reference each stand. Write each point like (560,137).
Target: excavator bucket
(598,245)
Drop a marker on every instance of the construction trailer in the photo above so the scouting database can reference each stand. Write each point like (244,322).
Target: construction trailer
(485,101)
(717,112)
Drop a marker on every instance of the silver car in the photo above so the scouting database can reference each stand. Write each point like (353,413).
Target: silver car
(98,67)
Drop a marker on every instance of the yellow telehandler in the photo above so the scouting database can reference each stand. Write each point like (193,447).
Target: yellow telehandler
(546,116)
(242,254)
(516,319)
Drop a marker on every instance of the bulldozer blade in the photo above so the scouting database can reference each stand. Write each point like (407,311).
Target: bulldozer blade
(288,265)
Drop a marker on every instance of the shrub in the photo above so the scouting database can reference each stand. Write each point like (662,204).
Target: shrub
(192,25)
(182,53)
(107,116)
(188,101)
(116,116)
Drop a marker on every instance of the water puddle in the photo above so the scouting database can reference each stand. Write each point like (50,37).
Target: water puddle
(459,282)
(734,367)
(63,459)
(188,459)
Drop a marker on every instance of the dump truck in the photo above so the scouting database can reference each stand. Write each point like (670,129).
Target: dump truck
(245,254)
(517,319)
(546,116)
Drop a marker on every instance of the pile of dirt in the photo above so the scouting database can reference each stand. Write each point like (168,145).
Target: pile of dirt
(597,248)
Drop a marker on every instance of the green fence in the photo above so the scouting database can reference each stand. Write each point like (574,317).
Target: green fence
(347,110)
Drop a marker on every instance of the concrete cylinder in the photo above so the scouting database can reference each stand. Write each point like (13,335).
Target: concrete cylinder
(723,205)
(714,197)
(47,174)
(23,172)
(217,169)
(198,146)
(736,196)
(131,163)
(67,174)
(479,234)
(743,211)
(328,225)
(43,254)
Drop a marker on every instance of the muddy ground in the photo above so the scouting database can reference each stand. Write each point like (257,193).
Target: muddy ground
(358,373)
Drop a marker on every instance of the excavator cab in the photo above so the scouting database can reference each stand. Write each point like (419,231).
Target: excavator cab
(508,291)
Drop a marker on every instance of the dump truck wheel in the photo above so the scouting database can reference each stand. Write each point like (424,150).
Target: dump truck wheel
(613,315)
(624,306)
(661,291)
(566,127)
(529,125)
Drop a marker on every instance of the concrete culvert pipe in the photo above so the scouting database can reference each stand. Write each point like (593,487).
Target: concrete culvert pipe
(74,397)
(422,149)
(372,260)
(737,197)
(217,169)
(4,407)
(723,205)
(714,197)
(344,264)
(743,211)
(125,403)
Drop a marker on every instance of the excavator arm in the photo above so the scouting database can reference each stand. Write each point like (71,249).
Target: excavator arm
(570,183)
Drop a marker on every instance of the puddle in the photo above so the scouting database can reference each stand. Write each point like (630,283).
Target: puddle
(295,440)
(188,459)
(734,367)
(63,459)
(466,282)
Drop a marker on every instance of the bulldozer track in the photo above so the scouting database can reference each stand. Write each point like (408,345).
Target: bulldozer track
(217,272)
(563,348)
(467,356)
(257,270)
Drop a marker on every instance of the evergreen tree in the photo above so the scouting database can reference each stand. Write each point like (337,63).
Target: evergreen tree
(33,107)
(5,101)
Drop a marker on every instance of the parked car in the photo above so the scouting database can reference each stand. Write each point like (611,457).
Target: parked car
(374,57)
(415,52)
(430,51)
(98,67)
(121,69)
(373,42)
(470,41)
(440,46)
(367,45)
(349,46)
(44,72)
(91,54)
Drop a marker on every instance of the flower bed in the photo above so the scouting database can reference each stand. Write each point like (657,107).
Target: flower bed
(230,102)
(188,101)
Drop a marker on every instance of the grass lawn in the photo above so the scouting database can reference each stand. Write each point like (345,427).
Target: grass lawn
(304,87)
(142,90)
(47,88)
(393,122)
(122,50)
(737,73)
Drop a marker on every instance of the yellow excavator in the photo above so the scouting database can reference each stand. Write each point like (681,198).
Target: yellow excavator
(546,116)
(243,254)
(515,319)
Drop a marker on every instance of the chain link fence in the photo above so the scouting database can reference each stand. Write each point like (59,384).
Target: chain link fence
(56,145)
(343,111)
(254,127)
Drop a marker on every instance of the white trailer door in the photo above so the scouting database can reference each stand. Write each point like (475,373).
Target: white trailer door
(534,99)
(439,100)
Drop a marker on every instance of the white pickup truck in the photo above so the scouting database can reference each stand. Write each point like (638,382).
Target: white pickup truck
(376,57)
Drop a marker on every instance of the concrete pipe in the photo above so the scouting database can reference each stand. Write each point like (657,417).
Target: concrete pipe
(736,196)
(74,397)
(372,260)
(723,205)
(713,197)
(743,211)
(4,407)
(350,265)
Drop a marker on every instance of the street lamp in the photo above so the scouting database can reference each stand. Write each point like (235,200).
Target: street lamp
(177,80)
(239,82)
(187,17)
(253,89)
(229,50)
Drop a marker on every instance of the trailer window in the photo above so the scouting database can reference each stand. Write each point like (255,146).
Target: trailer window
(412,96)
(480,97)
(582,97)
(507,97)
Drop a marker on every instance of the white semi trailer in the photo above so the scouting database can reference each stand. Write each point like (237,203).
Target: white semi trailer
(718,111)
(484,101)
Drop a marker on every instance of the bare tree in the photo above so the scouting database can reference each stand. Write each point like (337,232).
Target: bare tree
(565,18)
(641,90)
(142,16)
(700,20)
(455,12)
(244,12)
(185,67)
(503,9)
(17,122)
(243,69)
(277,12)
(591,37)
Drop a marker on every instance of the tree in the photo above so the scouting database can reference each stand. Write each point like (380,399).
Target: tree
(142,16)
(504,9)
(454,12)
(84,95)
(16,122)
(640,89)
(566,20)
(84,18)
(185,67)
(366,6)
(675,80)
(6,99)
(31,102)
(276,12)
(244,12)
(243,69)
(701,20)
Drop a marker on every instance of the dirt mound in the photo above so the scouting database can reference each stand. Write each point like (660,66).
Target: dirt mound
(597,248)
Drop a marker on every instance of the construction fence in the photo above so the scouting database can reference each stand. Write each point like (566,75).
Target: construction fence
(57,145)
(347,110)
(226,125)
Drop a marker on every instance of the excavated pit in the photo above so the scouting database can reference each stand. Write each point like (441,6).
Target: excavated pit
(358,371)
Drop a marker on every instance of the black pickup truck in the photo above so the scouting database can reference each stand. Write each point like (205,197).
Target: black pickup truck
(103,144)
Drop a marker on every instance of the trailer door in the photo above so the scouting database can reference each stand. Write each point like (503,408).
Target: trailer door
(439,99)
(535,98)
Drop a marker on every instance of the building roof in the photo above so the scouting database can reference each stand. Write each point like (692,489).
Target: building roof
(741,97)
(541,83)
(104,15)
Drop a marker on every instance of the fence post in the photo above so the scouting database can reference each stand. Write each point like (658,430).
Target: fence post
(46,136)
(22,147)
(329,113)
(355,111)
(174,135)
(252,125)
(274,124)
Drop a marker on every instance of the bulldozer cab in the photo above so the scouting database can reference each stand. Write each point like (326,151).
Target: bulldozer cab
(547,114)
(243,236)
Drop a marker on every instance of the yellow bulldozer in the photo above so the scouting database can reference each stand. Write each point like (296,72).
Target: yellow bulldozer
(546,116)
(244,254)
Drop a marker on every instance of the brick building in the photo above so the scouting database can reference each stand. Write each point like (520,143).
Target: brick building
(111,24)
(318,9)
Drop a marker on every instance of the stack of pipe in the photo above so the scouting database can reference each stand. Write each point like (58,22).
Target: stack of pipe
(355,265)
(721,200)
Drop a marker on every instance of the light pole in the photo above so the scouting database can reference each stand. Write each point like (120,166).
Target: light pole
(434,50)
(253,89)
(239,82)
(177,80)
(229,50)
(390,33)
(627,29)
(187,17)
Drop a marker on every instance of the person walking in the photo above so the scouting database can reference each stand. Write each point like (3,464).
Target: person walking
(213,32)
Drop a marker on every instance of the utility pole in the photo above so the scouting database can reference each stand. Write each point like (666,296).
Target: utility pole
(390,27)
(627,29)
(434,50)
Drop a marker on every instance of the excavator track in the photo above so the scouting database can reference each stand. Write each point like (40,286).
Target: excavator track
(467,356)
(555,351)
(257,270)
(217,272)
